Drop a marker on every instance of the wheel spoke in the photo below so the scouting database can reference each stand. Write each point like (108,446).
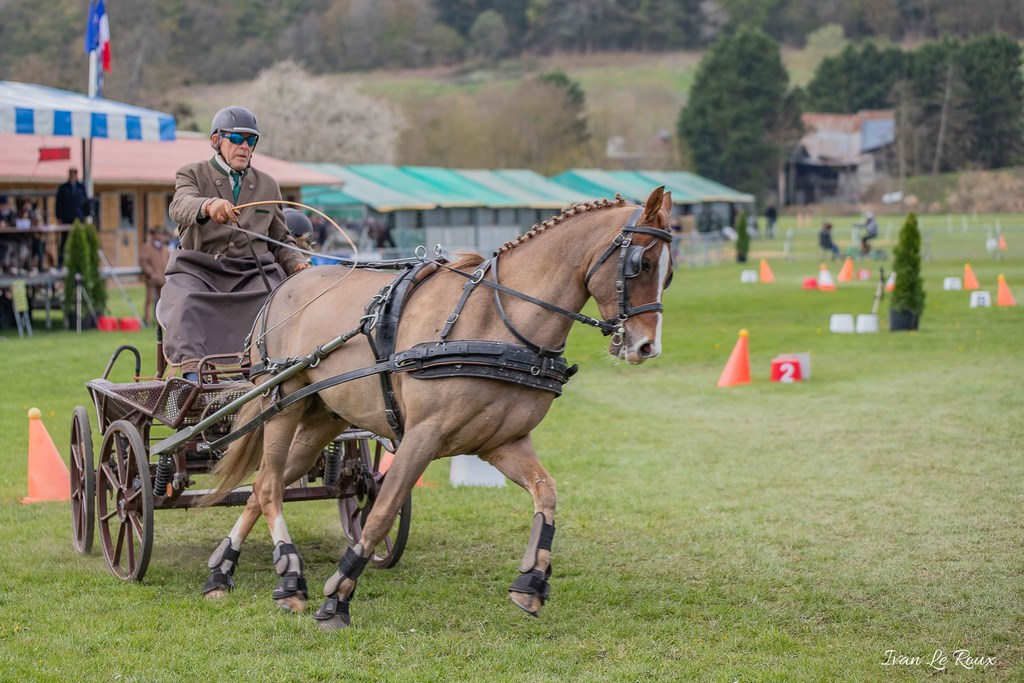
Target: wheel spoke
(120,441)
(117,546)
(111,476)
(137,527)
(130,541)
(104,518)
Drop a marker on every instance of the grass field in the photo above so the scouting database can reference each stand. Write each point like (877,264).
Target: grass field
(759,533)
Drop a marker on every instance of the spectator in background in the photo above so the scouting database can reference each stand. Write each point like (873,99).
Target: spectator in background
(870,226)
(380,232)
(72,205)
(771,215)
(752,228)
(825,240)
(153,258)
(6,213)
(29,217)
(320,230)
(8,246)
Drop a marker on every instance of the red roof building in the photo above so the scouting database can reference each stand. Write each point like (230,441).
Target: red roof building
(132,180)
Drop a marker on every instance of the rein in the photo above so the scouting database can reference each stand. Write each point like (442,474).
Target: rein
(625,270)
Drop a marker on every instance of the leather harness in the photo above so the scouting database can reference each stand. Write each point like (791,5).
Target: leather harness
(529,364)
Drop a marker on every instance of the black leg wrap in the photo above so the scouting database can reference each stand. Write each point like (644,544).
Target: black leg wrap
(533,582)
(351,564)
(219,581)
(289,585)
(332,606)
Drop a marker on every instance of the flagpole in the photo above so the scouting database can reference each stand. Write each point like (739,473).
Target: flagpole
(87,141)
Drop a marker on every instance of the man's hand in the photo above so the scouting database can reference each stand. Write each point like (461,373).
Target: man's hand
(301,266)
(221,210)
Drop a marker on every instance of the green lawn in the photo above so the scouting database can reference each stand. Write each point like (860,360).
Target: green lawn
(759,533)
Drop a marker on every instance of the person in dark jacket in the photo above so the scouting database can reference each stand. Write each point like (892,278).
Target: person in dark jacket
(72,205)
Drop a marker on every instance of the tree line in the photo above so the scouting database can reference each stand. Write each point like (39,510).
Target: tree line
(957,105)
(166,43)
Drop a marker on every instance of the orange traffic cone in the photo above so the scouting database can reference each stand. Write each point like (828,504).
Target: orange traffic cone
(48,476)
(1004,297)
(890,284)
(825,281)
(737,369)
(846,274)
(766,274)
(1002,242)
(970,282)
(386,458)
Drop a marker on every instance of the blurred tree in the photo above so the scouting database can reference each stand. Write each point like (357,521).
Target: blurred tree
(992,71)
(737,104)
(488,37)
(533,125)
(855,79)
(300,121)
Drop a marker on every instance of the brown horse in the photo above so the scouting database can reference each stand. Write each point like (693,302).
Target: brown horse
(613,251)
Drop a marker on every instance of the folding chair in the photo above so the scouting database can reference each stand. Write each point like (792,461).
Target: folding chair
(21,309)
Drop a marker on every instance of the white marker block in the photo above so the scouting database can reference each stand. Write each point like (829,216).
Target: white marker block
(952,284)
(867,323)
(748,276)
(469,470)
(980,299)
(841,323)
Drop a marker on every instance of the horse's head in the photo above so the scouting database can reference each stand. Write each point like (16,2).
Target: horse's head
(627,278)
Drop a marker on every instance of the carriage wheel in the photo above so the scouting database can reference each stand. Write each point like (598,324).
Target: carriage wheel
(124,500)
(355,509)
(83,481)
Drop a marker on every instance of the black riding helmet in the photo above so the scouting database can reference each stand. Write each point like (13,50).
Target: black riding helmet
(298,223)
(233,120)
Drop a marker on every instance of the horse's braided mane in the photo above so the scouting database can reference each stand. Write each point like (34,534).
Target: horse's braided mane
(568,212)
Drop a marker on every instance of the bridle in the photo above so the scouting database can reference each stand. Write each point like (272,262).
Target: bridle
(629,266)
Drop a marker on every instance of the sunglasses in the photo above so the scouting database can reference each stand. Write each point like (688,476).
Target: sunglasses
(239,138)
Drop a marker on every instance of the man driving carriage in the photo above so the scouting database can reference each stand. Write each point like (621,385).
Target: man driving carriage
(220,276)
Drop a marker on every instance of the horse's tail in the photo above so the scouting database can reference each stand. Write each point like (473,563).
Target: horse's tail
(242,458)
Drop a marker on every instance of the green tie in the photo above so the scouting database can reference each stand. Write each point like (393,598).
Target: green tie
(236,184)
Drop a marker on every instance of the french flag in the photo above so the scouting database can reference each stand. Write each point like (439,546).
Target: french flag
(97,33)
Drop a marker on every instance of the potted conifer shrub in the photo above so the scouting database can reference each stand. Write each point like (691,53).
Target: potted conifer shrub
(82,260)
(742,238)
(907,302)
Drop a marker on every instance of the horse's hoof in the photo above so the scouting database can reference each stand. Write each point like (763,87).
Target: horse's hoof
(530,604)
(218,594)
(333,623)
(294,603)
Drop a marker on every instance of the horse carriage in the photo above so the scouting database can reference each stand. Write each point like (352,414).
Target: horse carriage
(131,479)
(439,358)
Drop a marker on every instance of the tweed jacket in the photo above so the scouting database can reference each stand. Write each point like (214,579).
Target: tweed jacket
(202,180)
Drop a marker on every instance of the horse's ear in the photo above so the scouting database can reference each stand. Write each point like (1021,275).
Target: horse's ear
(658,201)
